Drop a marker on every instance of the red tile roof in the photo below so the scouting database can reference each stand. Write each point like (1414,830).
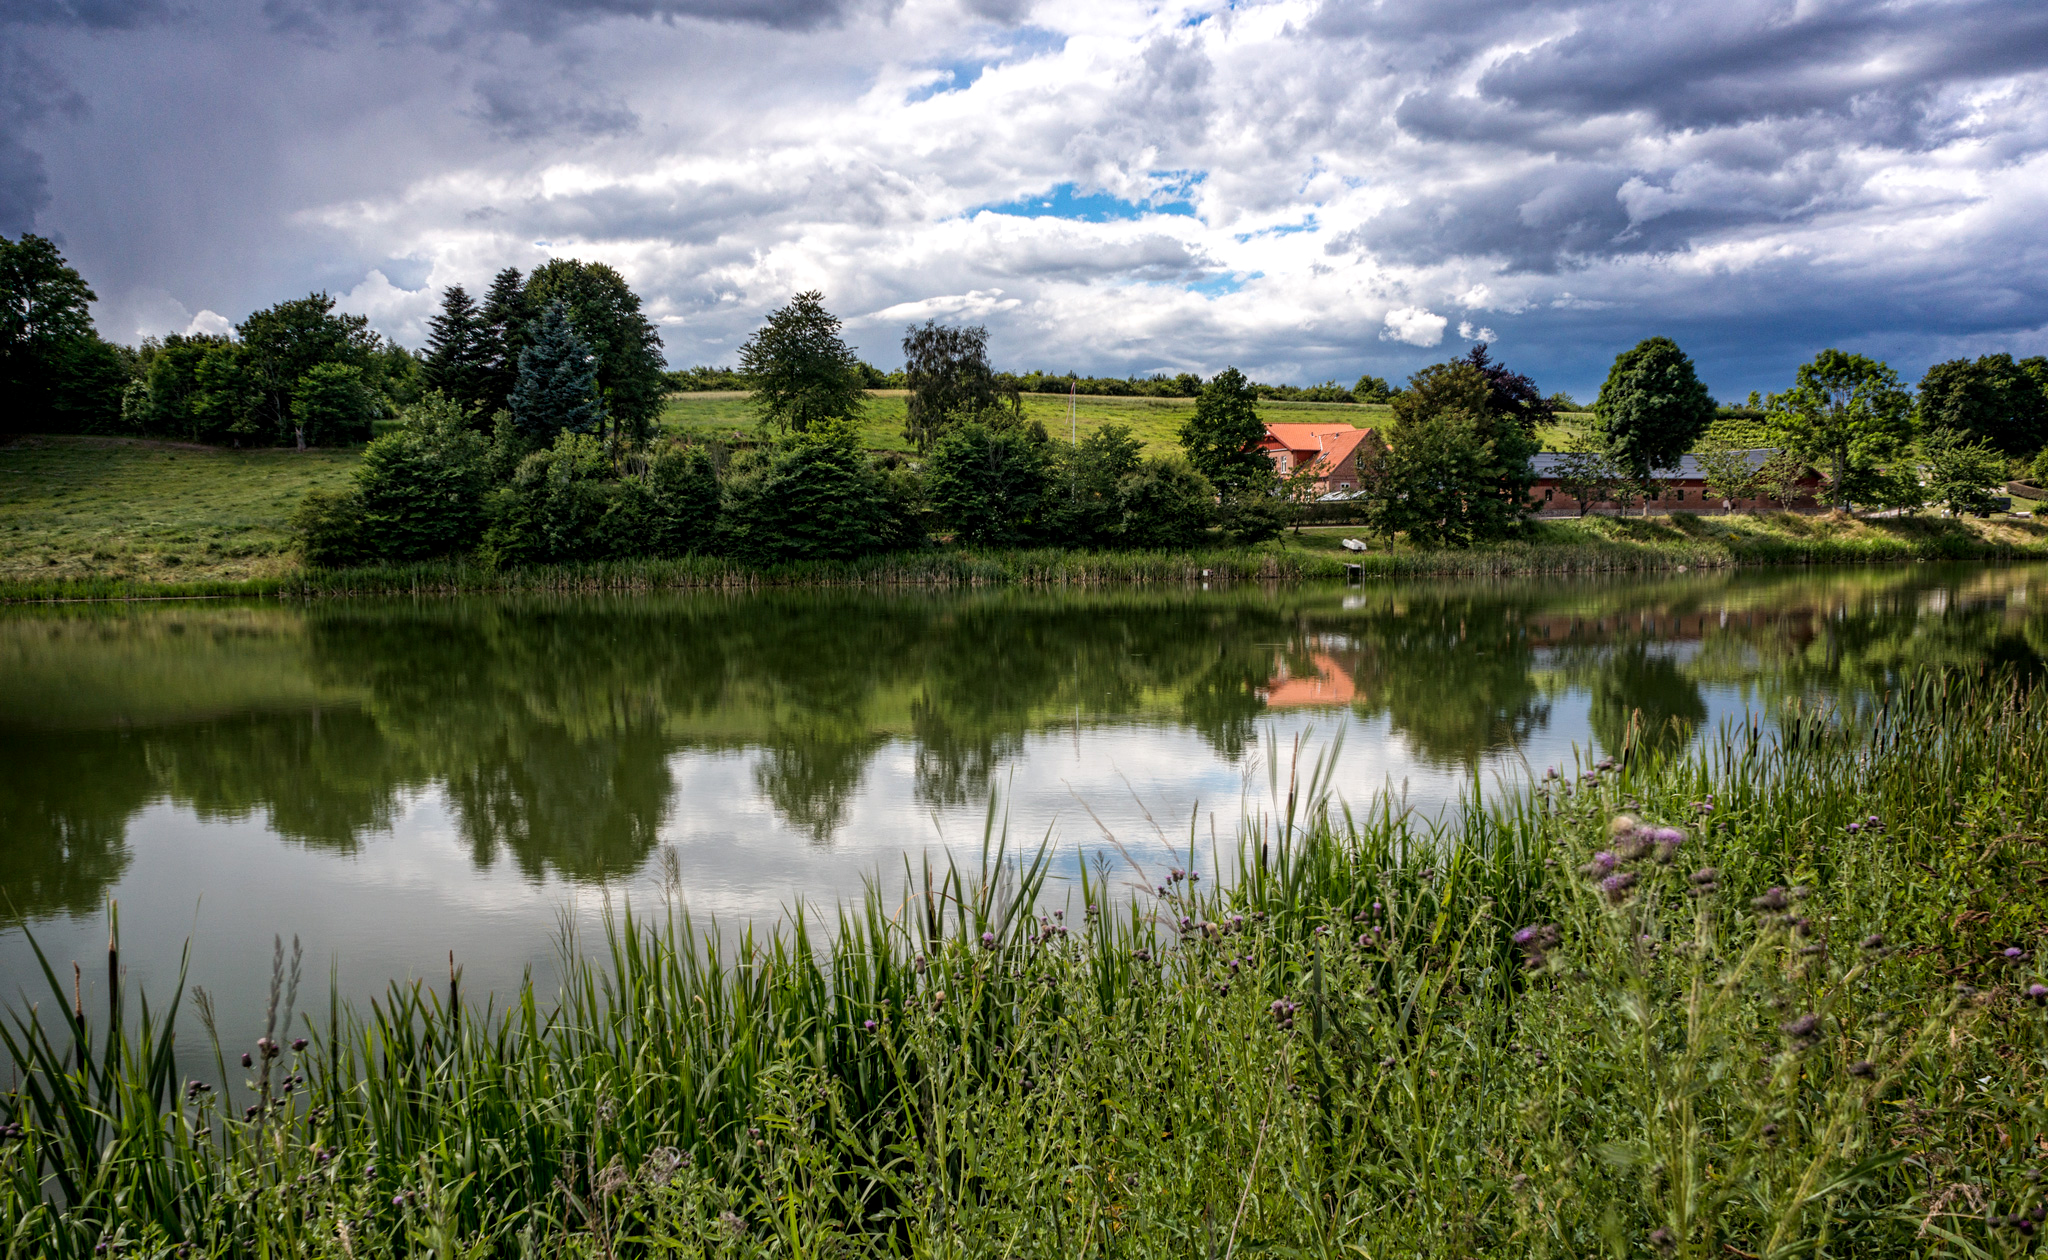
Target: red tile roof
(1332,442)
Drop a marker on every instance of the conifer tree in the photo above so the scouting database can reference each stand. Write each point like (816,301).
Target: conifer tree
(557,389)
(459,349)
(506,314)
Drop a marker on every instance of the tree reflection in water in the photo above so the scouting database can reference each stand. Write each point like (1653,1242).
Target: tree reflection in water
(551,725)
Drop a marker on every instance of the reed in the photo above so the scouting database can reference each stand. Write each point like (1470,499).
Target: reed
(1776,996)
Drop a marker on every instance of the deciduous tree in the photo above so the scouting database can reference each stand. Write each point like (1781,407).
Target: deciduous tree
(950,381)
(1221,438)
(1652,407)
(1845,412)
(799,368)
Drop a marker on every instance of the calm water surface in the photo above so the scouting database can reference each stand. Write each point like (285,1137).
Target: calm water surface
(394,780)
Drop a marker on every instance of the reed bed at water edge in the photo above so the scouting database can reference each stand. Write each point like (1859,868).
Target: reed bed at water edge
(1777,996)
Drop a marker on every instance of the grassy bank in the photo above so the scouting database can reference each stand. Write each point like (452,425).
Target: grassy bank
(84,518)
(1782,1008)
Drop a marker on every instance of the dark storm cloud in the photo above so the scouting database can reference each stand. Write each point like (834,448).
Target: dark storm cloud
(520,110)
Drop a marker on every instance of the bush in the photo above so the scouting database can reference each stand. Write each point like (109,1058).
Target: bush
(816,498)
(1166,505)
(683,502)
(1252,515)
(992,485)
(1086,510)
(421,489)
(328,529)
(554,509)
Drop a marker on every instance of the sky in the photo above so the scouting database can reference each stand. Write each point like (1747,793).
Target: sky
(1306,189)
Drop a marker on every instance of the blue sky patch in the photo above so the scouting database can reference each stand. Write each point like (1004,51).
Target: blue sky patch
(1307,224)
(1223,282)
(1022,44)
(1063,201)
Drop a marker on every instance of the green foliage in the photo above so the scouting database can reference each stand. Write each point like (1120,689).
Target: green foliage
(421,490)
(1963,474)
(1456,472)
(506,317)
(555,509)
(704,379)
(1221,438)
(816,498)
(1726,470)
(558,381)
(1652,407)
(1589,475)
(993,486)
(55,372)
(683,511)
(1846,413)
(1086,509)
(1563,401)
(331,406)
(1252,514)
(1994,400)
(631,376)
(947,372)
(799,368)
(281,345)
(1183,385)
(460,351)
(1166,505)
(327,530)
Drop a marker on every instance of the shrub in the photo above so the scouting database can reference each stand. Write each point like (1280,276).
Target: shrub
(992,485)
(555,507)
(327,528)
(421,489)
(683,502)
(1166,505)
(816,498)
(1086,511)
(1251,515)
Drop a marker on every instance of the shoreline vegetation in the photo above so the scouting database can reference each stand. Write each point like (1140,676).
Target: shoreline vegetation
(1558,547)
(1780,995)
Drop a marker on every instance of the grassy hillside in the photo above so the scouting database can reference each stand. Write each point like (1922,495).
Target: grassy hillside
(113,508)
(1155,421)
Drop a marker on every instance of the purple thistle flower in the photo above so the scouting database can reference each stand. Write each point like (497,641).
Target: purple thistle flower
(988,940)
(2038,992)
(298,1043)
(1800,1028)
(2014,952)
(868,1024)
(1616,886)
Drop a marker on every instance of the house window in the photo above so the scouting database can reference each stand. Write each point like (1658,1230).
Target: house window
(1681,496)
(1546,495)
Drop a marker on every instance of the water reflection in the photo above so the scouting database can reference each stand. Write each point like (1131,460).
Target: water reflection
(551,728)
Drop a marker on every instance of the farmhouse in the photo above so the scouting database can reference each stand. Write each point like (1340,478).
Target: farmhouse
(1331,450)
(1680,489)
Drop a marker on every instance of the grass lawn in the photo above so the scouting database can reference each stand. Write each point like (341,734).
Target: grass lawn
(1155,421)
(86,507)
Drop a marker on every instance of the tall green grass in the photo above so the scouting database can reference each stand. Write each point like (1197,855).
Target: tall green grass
(1529,1028)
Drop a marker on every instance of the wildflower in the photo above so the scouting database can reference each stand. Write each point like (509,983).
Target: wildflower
(1176,875)
(298,1043)
(1863,1068)
(1621,825)
(1535,942)
(988,940)
(1704,880)
(1615,887)
(398,1200)
(1770,1130)
(1854,828)
(1801,1029)
(1668,841)
(868,1025)
(2038,992)
(1142,955)
(917,964)
(2014,952)
(1603,862)
(247,1061)
(1773,899)
(1059,914)
(1662,1240)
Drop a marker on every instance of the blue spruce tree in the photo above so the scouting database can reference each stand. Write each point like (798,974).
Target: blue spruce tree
(557,389)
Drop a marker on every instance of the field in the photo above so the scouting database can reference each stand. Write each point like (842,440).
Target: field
(83,509)
(1783,996)
(1155,421)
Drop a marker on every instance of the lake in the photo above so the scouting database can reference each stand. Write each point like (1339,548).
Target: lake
(391,781)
